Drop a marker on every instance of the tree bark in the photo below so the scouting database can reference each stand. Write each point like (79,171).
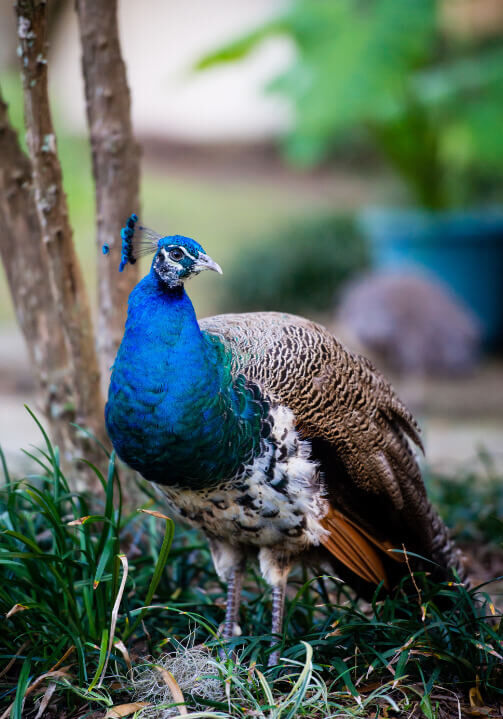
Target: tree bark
(116,166)
(26,265)
(27,269)
(67,285)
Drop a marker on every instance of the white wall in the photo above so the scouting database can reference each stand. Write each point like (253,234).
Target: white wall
(161,40)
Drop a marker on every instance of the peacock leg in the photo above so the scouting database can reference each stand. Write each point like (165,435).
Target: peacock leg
(275,567)
(234,585)
(278,612)
(230,564)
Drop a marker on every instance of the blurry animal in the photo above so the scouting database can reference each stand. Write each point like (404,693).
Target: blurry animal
(411,322)
(264,432)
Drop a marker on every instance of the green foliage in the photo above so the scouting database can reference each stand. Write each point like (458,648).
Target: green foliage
(339,657)
(60,568)
(298,268)
(471,504)
(388,72)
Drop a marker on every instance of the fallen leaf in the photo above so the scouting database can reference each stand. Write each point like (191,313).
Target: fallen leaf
(15,609)
(19,651)
(153,513)
(119,644)
(46,699)
(477,705)
(480,712)
(124,710)
(175,690)
(475,697)
(63,672)
(80,520)
(60,661)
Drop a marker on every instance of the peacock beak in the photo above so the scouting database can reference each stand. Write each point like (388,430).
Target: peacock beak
(204,262)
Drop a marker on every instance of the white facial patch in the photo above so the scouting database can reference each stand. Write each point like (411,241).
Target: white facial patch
(165,253)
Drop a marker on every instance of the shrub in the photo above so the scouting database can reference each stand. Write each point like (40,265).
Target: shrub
(298,269)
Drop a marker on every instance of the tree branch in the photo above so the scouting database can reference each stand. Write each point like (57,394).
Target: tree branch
(116,165)
(67,284)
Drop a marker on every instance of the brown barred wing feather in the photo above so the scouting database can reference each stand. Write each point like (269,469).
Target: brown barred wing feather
(360,432)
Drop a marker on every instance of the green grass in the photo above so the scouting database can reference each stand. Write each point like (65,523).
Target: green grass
(340,658)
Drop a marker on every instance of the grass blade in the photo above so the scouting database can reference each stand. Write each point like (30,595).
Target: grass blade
(101,660)
(115,612)
(23,682)
(169,533)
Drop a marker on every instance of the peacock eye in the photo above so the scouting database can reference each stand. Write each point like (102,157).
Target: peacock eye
(176,254)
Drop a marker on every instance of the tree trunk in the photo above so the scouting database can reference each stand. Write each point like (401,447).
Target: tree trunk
(36,245)
(116,166)
(67,285)
(27,269)
(26,265)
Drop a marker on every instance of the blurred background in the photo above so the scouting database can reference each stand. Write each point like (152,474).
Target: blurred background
(341,159)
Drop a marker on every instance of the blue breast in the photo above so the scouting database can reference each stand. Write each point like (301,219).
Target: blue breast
(175,412)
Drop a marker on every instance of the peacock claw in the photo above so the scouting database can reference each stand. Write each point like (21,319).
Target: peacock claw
(225,633)
(236,631)
(273,658)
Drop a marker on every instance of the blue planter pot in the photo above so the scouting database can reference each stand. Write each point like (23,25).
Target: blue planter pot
(462,249)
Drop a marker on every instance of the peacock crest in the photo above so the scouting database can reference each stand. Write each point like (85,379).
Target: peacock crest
(137,241)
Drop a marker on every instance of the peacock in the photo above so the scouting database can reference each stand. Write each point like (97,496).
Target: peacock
(266,433)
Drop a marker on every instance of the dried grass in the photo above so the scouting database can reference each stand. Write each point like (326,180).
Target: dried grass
(194,670)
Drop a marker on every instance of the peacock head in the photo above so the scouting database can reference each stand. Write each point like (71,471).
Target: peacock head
(176,258)
(179,258)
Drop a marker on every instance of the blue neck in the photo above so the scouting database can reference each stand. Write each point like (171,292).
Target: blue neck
(164,351)
(175,412)
(162,334)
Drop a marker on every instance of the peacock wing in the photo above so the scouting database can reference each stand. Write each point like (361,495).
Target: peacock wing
(360,431)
